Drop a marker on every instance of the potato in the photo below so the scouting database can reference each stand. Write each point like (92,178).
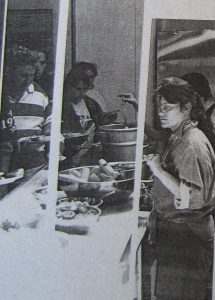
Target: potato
(105,177)
(94,178)
(107,169)
(71,187)
(89,187)
(75,173)
(85,174)
(95,170)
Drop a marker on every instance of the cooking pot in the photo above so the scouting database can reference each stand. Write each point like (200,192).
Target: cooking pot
(122,151)
(118,133)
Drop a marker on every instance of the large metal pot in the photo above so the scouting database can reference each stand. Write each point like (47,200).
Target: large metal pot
(122,151)
(119,151)
(118,133)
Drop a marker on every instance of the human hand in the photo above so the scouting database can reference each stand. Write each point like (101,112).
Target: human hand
(153,161)
(129,98)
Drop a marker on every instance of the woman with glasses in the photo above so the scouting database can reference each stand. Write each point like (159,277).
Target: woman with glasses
(182,225)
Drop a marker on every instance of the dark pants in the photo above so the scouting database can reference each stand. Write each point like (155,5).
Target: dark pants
(183,263)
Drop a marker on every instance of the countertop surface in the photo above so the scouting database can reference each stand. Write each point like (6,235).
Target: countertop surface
(40,264)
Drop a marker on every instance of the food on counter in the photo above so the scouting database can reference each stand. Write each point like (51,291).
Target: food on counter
(105,177)
(104,172)
(6,178)
(15,173)
(72,229)
(108,170)
(85,174)
(40,195)
(45,182)
(102,179)
(85,200)
(74,209)
(7,225)
(94,178)
(76,173)
(71,178)
(23,211)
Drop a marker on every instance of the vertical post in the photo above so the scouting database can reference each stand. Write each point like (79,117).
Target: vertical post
(73,30)
(143,92)
(3,16)
(56,115)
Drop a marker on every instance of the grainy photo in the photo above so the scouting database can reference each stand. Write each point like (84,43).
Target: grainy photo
(82,250)
(99,128)
(26,102)
(179,123)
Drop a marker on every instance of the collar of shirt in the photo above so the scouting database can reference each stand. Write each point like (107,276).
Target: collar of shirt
(29,90)
(183,127)
(176,136)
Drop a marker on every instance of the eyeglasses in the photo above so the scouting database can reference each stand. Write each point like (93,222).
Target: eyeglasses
(166,108)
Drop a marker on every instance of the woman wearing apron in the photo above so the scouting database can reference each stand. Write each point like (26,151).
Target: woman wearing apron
(181,222)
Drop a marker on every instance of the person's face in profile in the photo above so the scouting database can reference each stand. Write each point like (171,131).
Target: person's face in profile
(77,93)
(171,115)
(23,76)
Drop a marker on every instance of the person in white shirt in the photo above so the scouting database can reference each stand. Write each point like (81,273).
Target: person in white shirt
(81,114)
(91,71)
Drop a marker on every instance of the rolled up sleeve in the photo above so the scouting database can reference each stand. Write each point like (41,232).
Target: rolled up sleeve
(196,171)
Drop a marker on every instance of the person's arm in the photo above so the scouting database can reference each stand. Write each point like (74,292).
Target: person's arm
(129,98)
(182,191)
(169,181)
(97,114)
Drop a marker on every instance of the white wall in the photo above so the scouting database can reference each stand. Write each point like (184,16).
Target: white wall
(108,32)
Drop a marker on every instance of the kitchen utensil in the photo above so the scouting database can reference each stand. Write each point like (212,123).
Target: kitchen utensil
(118,133)
(100,188)
(75,138)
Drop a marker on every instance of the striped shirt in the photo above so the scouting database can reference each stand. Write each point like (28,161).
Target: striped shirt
(31,112)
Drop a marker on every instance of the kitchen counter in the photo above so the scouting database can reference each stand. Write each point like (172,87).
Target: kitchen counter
(36,264)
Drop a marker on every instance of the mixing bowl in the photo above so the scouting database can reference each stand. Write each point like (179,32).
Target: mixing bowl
(97,188)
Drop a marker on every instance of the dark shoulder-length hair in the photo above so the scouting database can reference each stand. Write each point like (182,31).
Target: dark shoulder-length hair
(72,79)
(176,90)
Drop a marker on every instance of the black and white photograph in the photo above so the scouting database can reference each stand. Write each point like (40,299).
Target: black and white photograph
(107,149)
(179,124)
(99,127)
(69,239)
(27,94)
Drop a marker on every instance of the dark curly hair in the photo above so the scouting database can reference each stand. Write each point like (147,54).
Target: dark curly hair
(200,84)
(19,56)
(84,66)
(177,90)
